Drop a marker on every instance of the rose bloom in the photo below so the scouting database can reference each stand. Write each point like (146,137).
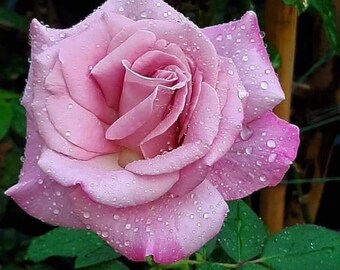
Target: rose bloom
(141,125)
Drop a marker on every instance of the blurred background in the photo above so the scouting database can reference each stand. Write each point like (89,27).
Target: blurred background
(302,38)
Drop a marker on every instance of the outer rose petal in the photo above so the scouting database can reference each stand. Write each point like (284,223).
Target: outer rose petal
(104,180)
(232,112)
(169,228)
(40,66)
(37,194)
(241,41)
(76,65)
(258,160)
(72,120)
(151,9)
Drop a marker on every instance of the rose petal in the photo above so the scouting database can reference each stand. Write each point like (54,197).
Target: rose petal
(37,194)
(198,49)
(241,41)
(40,66)
(171,161)
(258,160)
(77,65)
(203,125)
(200,135)
(151,9)
(232,112)
(190,177)
(72,120)
(109,72)
(131,121)
(104,180)
(168,228)
(130,98)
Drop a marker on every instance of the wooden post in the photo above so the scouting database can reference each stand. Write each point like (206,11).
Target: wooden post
(280,28)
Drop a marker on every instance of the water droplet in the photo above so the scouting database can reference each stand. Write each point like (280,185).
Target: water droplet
(219,38)
(263,178)
(267,71)
(272,157)
(245,58)
(40,181)
(249,150)
(90,67)
(264,85)
(158,4)
(70,106)
(230,72)
(86,215)
(128,226)
(206,215)
(68,133)
(192,216)
(259,163)
(229,36)
(115,217)
(56,211)
(143,14)
(246,133)
(121,9)
(242,93)
(271,144)
(262,34)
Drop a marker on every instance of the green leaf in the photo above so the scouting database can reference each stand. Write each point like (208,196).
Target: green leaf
(39,267)
(86,246)
(210,266)
(300,5)
(3,204)
(303,247)
(111,265)
(208,248)
(6,94)
(275,57)
(19,118)
(11,169)
(243,233)
(253,267)
(11,19)
(6,113)
(220,9)
(326,9)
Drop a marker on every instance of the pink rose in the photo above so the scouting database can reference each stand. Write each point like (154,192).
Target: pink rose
(141,125)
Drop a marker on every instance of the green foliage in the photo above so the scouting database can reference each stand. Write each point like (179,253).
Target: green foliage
(86,246)
(12,114)
(211,266)
(10,170)
(300,5)
(12,19)
(6,118)
(275,57)
(243,233)
(111,265)
(303,247)
(326,9)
